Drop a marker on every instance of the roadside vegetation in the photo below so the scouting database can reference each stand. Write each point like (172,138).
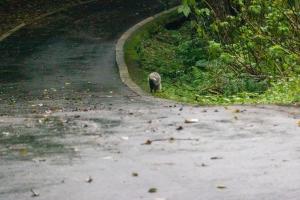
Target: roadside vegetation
(247,52)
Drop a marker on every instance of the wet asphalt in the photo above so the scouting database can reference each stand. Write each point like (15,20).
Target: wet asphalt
(68,58)
(69,129)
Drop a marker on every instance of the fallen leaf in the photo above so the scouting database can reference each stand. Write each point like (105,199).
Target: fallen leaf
(216,158)
(134,174)
(148,142)
(23,151)
(125,138)
(107,158)
(48,111)
(34,193)
(89,179)
(152,190)
(204,165)
(6,133)
(221,187)
(237,111)
(189,121)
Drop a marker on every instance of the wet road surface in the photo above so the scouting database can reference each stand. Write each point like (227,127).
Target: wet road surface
(65,117)
(68,58)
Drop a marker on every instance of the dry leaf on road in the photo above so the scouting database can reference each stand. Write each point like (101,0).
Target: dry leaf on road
(189,121)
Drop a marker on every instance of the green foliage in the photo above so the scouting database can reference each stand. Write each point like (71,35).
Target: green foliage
(251,56)
(185,9)
(263,38)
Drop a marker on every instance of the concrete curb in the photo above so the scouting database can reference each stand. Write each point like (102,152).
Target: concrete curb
(10,32)
(20,26)
(120,55)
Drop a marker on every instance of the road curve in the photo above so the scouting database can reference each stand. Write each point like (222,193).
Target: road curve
(69,129)
(68,59)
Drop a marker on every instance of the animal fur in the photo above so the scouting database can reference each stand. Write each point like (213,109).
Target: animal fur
(154,82)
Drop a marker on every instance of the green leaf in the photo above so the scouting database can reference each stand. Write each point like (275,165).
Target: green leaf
(185,9)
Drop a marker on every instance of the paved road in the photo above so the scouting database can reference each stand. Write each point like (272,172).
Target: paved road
(68,58)
(65,117)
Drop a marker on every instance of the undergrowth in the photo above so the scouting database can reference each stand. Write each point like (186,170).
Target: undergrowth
(196,71)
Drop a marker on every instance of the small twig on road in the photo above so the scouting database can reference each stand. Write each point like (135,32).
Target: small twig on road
(34,194)
(148,142)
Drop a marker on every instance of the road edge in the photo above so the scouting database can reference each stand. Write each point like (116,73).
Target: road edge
(23,24)
(120,54)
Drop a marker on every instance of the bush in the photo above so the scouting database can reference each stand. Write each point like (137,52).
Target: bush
(251,56)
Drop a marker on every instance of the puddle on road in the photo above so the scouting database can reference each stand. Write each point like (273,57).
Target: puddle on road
(46,136)
(36,139)
(26,144)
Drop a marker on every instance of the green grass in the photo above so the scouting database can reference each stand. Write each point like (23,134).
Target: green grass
(283,93)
